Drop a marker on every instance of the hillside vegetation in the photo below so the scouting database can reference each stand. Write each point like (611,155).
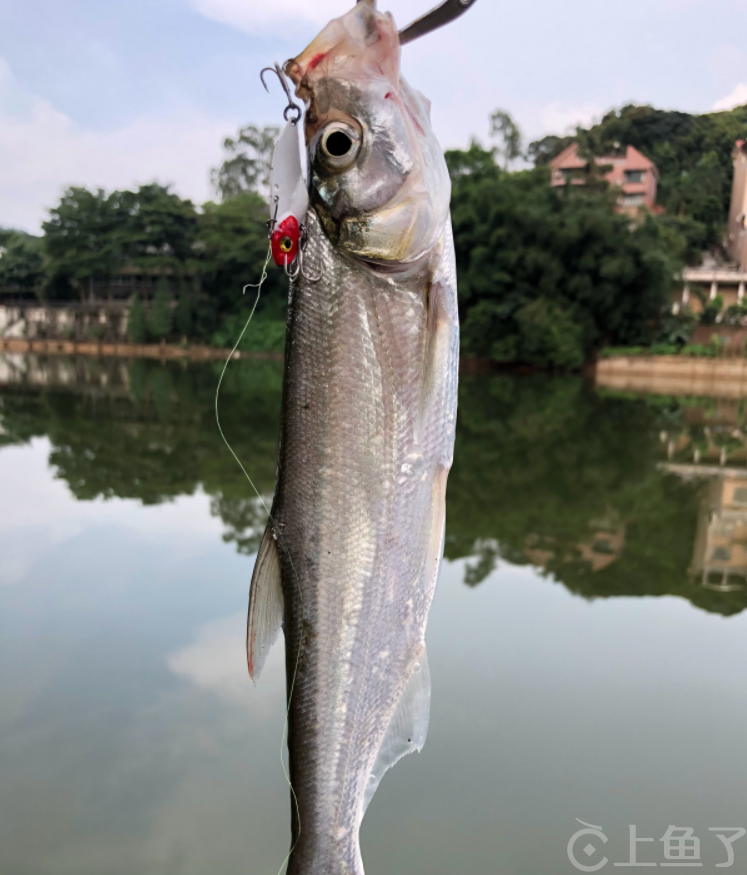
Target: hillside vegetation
(547,276)
(693,154)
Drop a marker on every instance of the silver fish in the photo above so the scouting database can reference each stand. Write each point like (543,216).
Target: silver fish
(349,561)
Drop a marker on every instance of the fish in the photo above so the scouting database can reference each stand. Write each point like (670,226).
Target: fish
(349,561)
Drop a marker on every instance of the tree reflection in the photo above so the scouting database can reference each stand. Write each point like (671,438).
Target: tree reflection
(596,490)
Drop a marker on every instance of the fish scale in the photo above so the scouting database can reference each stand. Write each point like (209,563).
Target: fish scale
(350,558)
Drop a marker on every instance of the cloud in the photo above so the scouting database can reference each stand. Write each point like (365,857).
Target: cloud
(44,151)
(216,662)
(287,18)
(680,5)
(254,16)
(738,97)
(561,118)
(557,117)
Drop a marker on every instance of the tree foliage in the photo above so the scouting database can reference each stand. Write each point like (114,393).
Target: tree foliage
(248,162)
(210,256)
(232,244)
(137,322)
(161,317)
(95,234)
(22,268)
(184,312)
(546,275)
(693,154)
(507,131)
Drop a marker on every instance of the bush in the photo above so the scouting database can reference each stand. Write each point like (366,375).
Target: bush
(183,315)
(137,324)
(735,315)
(549,335)
(700,350)
(614,351)
(261,335)
(545,275)
(677,328)
(161,317)
(711,311)
(664,349)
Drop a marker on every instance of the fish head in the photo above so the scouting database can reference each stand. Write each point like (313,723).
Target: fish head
(378,178)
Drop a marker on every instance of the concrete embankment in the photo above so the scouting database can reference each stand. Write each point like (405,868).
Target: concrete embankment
(674,375)
(127,350)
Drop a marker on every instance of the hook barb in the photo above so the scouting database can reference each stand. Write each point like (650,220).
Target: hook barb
(293,107)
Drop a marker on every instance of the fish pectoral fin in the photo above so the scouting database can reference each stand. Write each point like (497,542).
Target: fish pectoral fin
(266,608)
(408,727)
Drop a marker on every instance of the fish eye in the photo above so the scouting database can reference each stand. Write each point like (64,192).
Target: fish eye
(338,146)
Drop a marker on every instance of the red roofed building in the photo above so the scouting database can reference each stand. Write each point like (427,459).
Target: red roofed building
(737,239)
(630,171)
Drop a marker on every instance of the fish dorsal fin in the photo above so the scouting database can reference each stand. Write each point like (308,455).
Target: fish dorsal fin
(408,727)
(265,605)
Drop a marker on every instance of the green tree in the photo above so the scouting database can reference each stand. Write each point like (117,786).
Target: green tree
(82,239)
(184,313)
(137,323)
(156,226)
(161,316)
(94,235)
(232,244)
(693,154)
(509,134)
(711,311)
(541,152)
(247,165)
(547,275)
(22,268)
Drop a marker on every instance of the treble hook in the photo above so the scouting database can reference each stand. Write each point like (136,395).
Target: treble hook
(292,106)
(298,266)
(308,277)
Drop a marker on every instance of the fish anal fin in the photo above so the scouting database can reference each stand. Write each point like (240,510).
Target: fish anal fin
(266,606)
(408,727)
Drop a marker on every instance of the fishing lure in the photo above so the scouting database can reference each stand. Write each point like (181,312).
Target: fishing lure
(289,195)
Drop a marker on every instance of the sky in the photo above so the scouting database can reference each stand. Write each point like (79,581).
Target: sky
(113,94)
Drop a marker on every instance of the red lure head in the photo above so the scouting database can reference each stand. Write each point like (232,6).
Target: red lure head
(284,241)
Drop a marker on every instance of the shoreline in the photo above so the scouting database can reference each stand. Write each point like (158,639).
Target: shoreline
(673,375)
(160,351)
(657,375)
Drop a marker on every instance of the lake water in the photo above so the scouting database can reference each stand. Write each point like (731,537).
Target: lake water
(587,641)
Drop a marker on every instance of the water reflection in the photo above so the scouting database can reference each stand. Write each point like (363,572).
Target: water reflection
(551,474)
(610,495)
(131,739)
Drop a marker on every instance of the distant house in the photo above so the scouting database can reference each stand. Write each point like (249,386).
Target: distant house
(727,280)
(630,171)
(737,237)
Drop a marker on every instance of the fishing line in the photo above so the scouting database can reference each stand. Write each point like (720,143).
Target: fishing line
(258,287)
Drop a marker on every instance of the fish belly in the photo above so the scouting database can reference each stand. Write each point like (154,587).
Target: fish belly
(369,411)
